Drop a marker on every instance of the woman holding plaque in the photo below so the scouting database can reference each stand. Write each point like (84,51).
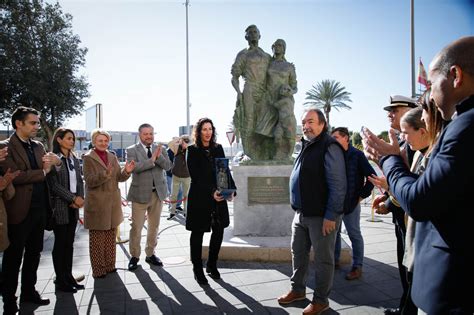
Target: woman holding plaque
(207,208)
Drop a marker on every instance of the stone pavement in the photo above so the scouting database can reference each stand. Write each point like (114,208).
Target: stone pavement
(246,286)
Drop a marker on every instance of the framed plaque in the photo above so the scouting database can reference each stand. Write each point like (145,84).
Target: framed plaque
(223,181)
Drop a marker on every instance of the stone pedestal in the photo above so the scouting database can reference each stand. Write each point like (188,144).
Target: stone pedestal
(262,206)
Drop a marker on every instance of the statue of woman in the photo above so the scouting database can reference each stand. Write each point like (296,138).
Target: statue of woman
(279,120)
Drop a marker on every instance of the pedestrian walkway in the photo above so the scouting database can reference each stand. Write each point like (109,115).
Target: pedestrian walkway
(246,286)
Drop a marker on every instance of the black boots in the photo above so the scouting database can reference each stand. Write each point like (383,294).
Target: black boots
(199,275)
(211,270)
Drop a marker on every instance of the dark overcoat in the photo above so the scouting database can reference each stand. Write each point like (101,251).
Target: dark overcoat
(201,202)
(17,159)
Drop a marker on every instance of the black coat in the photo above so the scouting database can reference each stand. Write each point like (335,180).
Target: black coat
(201,202)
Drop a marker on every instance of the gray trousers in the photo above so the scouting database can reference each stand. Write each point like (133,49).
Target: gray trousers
(307,231)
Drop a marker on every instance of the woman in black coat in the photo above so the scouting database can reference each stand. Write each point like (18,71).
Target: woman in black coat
(67,191)
(207,209)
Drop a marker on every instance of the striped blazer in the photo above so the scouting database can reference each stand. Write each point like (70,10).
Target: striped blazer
(61,196)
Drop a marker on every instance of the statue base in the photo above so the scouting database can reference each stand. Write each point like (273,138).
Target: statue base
(262,206)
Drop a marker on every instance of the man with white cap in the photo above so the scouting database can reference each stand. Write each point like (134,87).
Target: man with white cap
(384,204)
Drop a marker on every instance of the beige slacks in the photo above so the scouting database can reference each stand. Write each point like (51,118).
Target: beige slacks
(153,211)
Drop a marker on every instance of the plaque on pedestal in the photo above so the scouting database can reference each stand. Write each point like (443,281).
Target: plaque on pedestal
(223,181)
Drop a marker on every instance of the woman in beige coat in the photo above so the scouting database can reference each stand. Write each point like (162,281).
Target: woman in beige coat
(103,203)
(7,191)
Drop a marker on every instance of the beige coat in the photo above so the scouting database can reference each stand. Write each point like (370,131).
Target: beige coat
(103,202)
(6,194)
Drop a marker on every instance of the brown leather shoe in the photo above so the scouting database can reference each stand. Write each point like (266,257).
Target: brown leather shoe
(291,297)
(315,308)
(355,273)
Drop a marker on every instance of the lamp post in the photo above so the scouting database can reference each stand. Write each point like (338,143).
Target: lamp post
(187,69)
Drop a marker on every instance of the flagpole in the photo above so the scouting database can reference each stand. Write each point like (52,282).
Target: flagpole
(412,18)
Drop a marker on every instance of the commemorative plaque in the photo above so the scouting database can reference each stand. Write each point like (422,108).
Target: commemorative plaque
(223,181)
(268,190)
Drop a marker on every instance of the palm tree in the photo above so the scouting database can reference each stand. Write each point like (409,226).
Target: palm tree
(328,94)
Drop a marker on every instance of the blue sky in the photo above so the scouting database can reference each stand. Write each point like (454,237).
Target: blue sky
(136,59)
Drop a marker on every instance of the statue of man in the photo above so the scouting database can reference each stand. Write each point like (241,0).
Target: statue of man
(251,63)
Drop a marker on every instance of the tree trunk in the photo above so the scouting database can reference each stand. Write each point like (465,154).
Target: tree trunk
(326,112)
(48,132)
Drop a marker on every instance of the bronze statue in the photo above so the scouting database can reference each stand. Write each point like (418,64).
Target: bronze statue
(281,85)
(251,63)
(264,117)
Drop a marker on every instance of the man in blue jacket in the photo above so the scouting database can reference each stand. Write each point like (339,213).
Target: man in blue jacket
(440,200)
(317,192)
(358,188)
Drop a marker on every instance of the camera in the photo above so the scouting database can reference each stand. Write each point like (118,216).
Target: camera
(185,139)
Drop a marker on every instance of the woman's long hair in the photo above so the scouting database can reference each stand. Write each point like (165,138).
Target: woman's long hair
(197,133)
(435,121)
(61,133)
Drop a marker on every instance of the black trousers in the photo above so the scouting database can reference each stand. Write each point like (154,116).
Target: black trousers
(400,233)
(215,243)
(26,243)
(63,249)
(409,308)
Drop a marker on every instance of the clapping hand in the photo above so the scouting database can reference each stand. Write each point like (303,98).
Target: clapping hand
(129,166)
(375,148)
(156,153)
(7,178)
(3,153)
(379,181)
(52,158)
(46,164)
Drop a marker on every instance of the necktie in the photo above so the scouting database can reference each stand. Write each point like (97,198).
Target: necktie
(149,156)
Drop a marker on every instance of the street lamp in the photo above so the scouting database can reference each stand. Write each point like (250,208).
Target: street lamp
(187,70)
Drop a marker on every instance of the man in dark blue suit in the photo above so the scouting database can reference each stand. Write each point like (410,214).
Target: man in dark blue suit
(440,200)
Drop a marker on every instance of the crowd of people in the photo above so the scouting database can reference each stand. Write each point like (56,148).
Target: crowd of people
(426,183)
(41,190)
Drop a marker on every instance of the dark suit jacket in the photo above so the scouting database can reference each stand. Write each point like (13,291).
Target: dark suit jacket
(440,200)
(17,159)
(203,184)
(61,195)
